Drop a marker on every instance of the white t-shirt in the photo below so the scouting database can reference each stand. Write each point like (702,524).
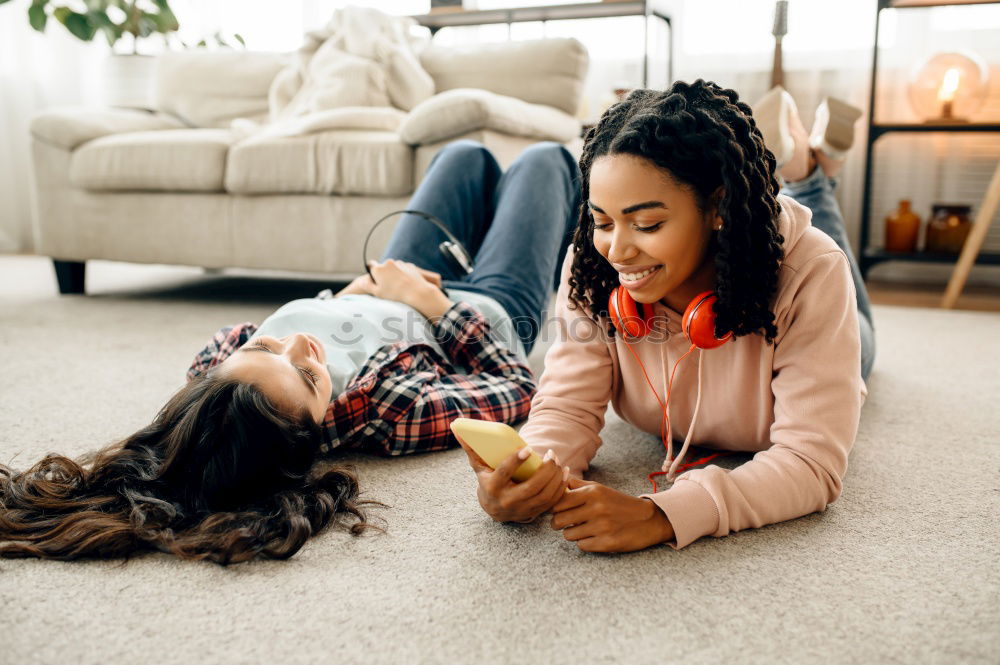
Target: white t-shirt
(354,327)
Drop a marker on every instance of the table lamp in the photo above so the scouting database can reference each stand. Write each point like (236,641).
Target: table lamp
(948,87)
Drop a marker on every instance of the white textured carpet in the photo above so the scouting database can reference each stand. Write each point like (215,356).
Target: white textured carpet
(904,568)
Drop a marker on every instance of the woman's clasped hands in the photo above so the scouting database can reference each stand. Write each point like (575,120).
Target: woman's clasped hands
(594,516)
(403,282)
(601,519)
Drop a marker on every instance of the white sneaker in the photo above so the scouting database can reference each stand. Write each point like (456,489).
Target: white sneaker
(771,113)
(833,128)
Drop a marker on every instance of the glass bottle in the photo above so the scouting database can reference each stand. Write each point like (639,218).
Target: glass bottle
(948,228)
(902,228)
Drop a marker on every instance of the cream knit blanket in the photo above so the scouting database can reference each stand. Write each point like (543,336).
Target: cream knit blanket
(360,71)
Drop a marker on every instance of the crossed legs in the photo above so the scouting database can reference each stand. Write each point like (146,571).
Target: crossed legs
(516,224)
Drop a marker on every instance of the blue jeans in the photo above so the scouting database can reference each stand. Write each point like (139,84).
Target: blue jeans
(816,193)
(515,224)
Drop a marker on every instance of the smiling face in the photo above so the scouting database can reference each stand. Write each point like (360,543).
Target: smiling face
(290,371)
(650,229)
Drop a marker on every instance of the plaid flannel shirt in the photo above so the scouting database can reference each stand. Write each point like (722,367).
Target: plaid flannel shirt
(406,395)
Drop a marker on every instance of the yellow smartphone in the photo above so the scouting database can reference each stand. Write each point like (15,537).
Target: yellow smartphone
(495,442)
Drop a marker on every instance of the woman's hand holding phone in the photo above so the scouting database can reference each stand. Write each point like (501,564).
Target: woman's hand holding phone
(507,501)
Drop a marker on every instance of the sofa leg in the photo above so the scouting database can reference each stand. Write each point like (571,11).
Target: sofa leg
(70,275)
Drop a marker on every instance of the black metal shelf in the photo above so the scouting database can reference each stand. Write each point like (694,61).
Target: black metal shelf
(874,256)
(467,17)
(879,128)
(868,255)
(921,4)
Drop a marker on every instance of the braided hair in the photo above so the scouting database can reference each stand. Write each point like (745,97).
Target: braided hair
(705,138)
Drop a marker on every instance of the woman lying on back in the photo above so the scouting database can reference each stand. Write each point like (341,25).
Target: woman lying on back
(227,469)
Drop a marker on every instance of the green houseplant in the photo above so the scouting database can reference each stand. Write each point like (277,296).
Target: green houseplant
(112,18)
(126,74)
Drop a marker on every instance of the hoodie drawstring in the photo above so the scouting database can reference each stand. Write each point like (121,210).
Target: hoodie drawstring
(671,467)
(671,472)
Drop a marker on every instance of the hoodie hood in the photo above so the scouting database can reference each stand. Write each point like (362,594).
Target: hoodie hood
(793,222)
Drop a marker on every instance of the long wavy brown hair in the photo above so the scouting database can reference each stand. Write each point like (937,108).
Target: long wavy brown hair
(704,138)
(220,474)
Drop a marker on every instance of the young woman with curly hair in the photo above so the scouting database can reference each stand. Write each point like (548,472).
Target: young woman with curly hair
(681,200)
(237,464)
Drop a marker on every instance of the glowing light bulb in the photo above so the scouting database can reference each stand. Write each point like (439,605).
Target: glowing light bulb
(949,85)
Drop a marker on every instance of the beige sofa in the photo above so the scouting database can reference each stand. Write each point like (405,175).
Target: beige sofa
(179,185)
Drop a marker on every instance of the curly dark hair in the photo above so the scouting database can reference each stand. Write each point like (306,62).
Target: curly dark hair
(219,475)
(705,138)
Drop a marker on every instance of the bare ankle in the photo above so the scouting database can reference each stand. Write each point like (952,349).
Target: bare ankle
(831,166)
(811,165)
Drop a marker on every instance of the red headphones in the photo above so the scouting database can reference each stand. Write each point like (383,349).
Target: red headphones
(633,320)
(636,319)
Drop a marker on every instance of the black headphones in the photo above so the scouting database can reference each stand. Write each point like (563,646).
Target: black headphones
(452,250)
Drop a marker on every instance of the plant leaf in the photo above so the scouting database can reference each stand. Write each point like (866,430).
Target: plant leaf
(37,16)
(78,24)
(166,19)
(238,37)
(112,32)
(164,22)
(99,18)
(147,24)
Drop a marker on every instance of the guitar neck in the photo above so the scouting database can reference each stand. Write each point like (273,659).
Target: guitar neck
(779,30)
(777,72)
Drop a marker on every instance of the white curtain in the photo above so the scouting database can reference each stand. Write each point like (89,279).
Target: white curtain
(56,69)
(267,25)
(36,71)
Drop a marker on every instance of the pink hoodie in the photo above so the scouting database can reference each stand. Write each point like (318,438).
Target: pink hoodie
(796,404)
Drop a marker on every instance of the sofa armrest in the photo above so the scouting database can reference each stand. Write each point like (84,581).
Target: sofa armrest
(463,110)
(69,127)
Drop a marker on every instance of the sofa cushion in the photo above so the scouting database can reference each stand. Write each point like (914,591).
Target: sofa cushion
(384,118)
(375,163)
(191,160)
(464,110)
(212,88)
(540,71)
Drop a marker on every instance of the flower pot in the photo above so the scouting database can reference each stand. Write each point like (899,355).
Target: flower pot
(127,81)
